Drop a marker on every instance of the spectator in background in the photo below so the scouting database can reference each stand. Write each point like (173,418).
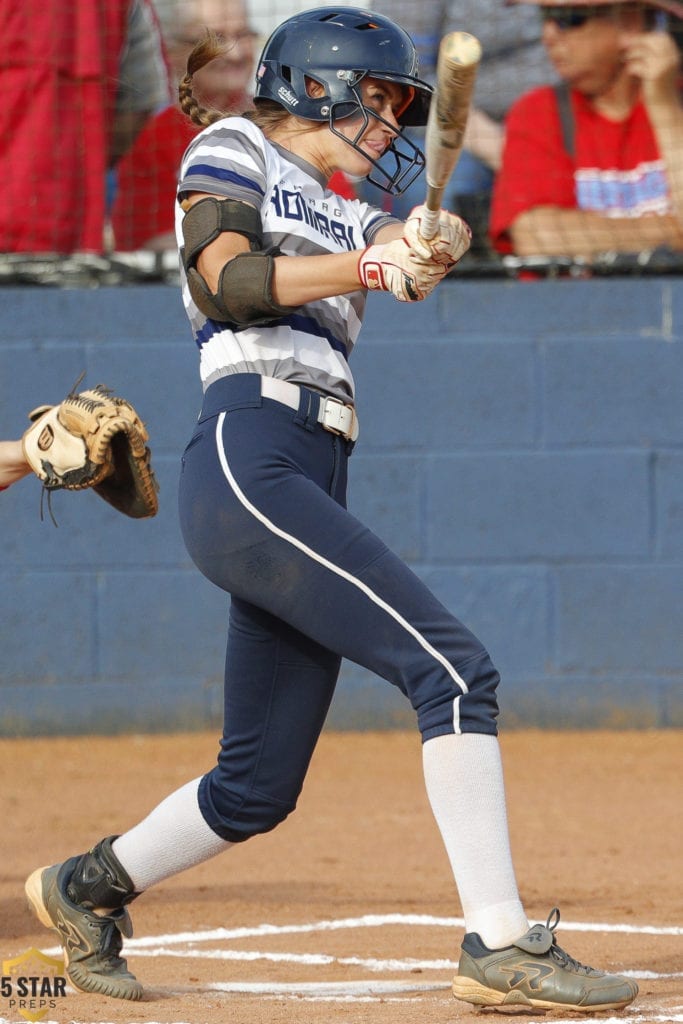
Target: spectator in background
(596,165)
(513,61)
(78,80)
(143,211)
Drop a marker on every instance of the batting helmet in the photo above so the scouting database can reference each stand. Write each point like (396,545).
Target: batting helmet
(338,47)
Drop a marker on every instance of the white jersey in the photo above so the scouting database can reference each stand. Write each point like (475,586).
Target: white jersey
(300,216)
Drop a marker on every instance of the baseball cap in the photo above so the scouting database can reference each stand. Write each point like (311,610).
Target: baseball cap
(674,7)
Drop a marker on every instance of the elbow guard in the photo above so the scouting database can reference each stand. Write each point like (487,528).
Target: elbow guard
(244,295)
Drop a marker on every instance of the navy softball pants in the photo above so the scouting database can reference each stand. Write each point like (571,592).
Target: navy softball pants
(263,514)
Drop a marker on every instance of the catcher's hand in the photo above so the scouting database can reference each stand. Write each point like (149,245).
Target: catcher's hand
(450,243)
(94,439)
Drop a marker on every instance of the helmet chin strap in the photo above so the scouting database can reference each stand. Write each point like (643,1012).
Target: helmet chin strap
(408,160)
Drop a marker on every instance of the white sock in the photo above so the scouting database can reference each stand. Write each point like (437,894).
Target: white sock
(464,780)
(173,837)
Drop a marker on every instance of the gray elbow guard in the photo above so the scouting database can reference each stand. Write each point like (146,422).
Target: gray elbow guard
(244,294)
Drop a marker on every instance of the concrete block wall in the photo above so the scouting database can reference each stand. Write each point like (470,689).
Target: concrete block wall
(521,447)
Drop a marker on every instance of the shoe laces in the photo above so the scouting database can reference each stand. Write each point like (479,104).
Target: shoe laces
(110,941)
(560,955)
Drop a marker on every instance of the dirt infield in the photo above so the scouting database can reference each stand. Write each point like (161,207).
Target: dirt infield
(347,912)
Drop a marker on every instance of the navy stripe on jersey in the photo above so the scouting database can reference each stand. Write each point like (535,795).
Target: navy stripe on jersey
(311,326)
(305,324)
(222,174)
(207,332)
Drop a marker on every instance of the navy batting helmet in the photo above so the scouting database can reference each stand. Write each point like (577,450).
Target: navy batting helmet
(338,47)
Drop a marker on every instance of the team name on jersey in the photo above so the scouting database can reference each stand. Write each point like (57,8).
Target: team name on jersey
(322,217)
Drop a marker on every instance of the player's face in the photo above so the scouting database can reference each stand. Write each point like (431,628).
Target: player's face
(357,141)
(388,100)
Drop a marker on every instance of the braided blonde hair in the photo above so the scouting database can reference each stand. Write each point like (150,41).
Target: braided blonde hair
(267,116)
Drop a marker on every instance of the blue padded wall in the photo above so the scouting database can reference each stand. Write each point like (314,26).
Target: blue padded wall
(521,447)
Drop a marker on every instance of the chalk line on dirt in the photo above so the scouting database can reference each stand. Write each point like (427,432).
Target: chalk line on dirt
(365,921)
(186,945)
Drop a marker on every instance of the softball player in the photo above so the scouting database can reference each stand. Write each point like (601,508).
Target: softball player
(275,274)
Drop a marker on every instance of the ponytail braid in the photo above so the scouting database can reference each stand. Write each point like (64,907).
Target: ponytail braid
(268,115)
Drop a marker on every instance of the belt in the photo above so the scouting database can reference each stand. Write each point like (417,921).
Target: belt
(333,415)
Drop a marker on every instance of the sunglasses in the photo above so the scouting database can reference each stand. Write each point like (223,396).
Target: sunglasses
(574,17)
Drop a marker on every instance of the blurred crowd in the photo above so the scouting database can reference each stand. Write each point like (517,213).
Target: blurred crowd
(574,145)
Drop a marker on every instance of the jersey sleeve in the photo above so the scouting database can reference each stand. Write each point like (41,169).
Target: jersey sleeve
(373,220)
(536,170)
(227,160)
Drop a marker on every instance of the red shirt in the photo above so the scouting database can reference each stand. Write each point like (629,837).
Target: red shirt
(58,86)
(147,179)
(617,169)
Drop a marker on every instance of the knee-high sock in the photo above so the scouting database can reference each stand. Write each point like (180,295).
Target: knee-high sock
(173,837)
(464,779)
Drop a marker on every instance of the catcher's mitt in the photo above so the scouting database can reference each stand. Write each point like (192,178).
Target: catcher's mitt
(94,439)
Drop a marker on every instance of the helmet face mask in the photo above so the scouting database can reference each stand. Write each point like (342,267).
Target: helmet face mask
(337,48)
(402,161)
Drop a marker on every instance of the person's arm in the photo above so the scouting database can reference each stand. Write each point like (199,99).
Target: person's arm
(484,138)
(386,265)
(13,465)
(296,280)
(143,84)
(389,232)
(125,129)
(655,58)
(554,231)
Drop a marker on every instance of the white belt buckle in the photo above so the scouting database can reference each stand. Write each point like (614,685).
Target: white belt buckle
(339,418)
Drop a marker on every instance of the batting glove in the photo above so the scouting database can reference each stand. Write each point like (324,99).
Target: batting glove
(392,267)
(449,244)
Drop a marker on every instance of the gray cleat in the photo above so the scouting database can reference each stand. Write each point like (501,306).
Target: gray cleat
(535,972)
(91,942)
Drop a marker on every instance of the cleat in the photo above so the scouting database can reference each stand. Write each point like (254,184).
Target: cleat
(91,942)
(536,973)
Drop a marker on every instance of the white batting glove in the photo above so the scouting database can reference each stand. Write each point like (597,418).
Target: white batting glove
(449,244)
(392,267)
